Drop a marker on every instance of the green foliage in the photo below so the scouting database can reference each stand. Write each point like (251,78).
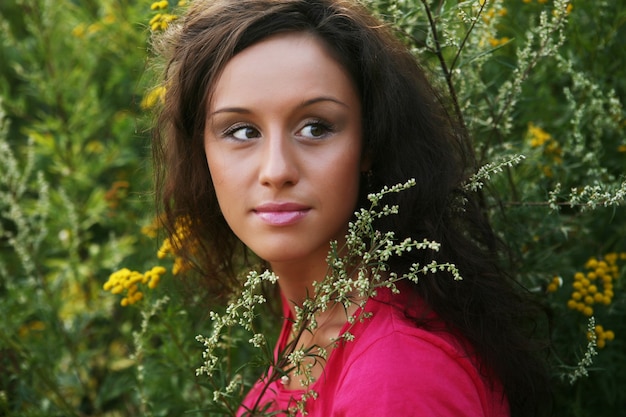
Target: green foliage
(543,79)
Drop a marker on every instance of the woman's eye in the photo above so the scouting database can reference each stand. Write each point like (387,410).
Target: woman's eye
(315,130)
(243,132)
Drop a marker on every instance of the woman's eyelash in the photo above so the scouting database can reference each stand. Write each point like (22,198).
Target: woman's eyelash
(326,126)
(230,132)
(232,129)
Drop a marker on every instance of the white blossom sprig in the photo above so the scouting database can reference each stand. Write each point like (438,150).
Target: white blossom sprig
(581,370)
(588,196)
(484,173)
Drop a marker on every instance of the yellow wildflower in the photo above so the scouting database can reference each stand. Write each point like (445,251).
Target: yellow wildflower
(554,285)
(28,328)
(547,171)
(79,31)
(150,230)
(94,28)
(537,135)
(128,281)
(109,19)
(161,21)
(179,238)
(596,286)
(159,5)
(488,15)
(154,96)
(498,42)
(602,336)
(558,13)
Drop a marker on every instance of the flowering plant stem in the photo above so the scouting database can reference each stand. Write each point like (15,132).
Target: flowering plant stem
(355,272)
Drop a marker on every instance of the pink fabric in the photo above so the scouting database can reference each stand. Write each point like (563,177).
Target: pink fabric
(392,368)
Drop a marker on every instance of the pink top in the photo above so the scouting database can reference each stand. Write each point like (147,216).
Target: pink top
(392,368)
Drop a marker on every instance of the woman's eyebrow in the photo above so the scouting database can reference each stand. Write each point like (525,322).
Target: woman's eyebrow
(306,103)
(322,99)
(240,110)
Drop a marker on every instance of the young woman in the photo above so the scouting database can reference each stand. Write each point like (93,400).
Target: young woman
(280,116)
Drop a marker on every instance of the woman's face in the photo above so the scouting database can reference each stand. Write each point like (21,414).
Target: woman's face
(283,145)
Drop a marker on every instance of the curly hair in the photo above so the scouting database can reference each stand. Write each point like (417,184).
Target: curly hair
(407,133)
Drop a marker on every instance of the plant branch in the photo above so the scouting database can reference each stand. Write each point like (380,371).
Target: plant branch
(444,67)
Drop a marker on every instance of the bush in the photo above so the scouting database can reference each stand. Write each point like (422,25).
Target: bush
(540,78)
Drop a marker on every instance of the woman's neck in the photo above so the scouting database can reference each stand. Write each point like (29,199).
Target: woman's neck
(296,280)
(296,285)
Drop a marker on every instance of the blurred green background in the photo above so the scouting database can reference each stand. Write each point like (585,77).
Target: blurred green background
(76,89)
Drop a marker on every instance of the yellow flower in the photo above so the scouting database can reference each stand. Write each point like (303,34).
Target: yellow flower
(488,15)
(159,5)
(602,336)
(94,28)
(537,135)
(149,230)
(554,285)
(602,272)
(558,13)
(79,31)
(154,96)
(128,282)
(498,42)
(161,21)
(27,328)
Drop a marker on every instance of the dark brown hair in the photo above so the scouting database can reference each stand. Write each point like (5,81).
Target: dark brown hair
(407,133)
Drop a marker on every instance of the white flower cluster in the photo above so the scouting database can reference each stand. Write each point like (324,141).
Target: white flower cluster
(240,312)
(477,181)
(587,360)
(543,40)
(15,181)
(589,196)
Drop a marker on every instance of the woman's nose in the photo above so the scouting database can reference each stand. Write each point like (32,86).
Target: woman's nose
(278,165)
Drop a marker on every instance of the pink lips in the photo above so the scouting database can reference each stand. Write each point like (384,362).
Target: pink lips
(281,214)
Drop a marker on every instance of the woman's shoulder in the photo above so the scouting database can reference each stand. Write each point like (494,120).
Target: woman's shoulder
(395,367)
(389,338)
